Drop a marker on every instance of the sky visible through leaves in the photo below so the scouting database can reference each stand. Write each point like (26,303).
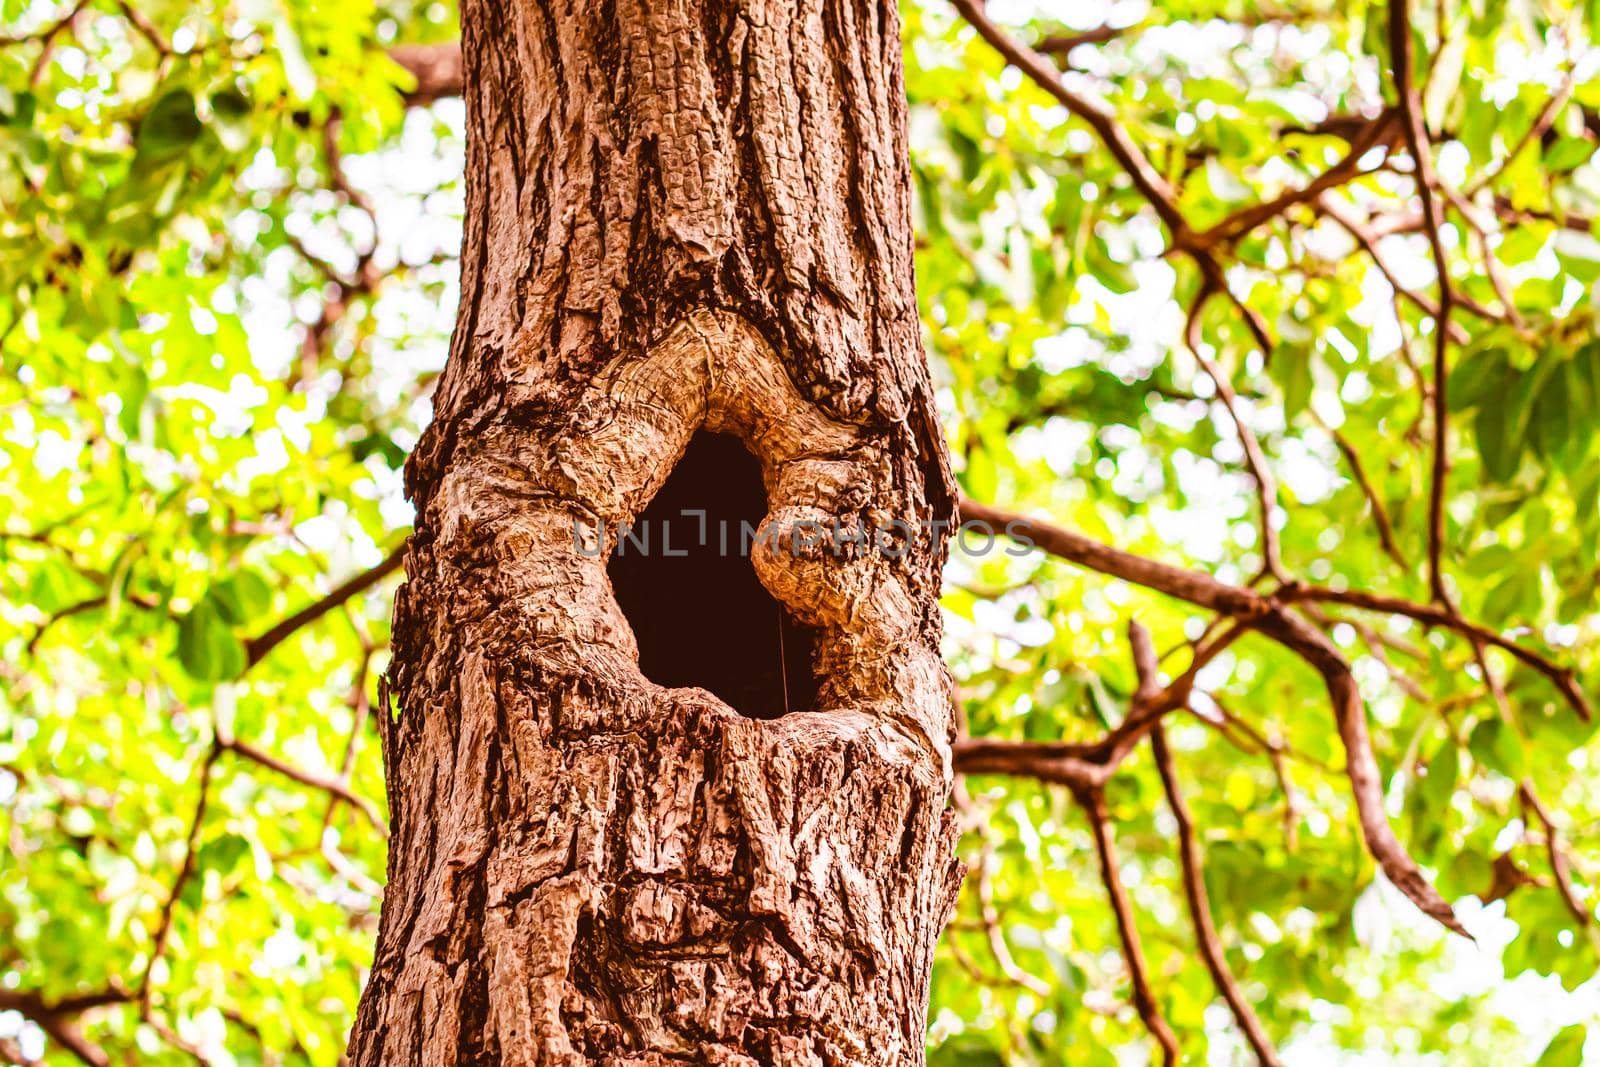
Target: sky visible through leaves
(1181,294)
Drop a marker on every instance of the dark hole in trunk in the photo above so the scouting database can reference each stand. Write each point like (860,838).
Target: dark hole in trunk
(701,616)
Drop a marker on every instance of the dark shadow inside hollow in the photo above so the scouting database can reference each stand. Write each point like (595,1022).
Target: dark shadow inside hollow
(686,584)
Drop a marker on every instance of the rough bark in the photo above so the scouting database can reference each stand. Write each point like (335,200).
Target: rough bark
(687,215)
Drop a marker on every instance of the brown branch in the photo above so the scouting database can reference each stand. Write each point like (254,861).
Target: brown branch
(11,1052)
(1347,169)
(146,28)
(1255,458)
(65,613)
(1093,803)
(1194,888)
(1377,644)
(1061,43)
(1196,588)
(361,711)
(1400,52)
(1051,764)
(260,646)
(148,1016)
(1133,161)
(1361,768)
(1491,262)
(435,67)
(982,871)
(1227,721)
(59,1019)
(1509,212)
(1291,801)
(185,872)
(1090,765)
(1541,124)
(1562,678)
(1367,239)
(1150,183)
(1380,514)
(309,779)
(1557,856)
(1268,616)
(1150,704)
(47,32)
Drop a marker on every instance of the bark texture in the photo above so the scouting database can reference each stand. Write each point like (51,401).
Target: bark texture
(682,215)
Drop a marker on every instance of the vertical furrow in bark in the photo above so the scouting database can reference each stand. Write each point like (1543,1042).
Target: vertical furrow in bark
(681,215)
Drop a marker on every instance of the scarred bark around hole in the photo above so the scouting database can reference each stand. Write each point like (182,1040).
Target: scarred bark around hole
(682,216)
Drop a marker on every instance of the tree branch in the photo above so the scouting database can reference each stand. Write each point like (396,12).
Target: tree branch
(1541,124)
(1094,807)
(1400,52)
(1194,888)
(259,647)
(1146,178)
(309,779)
(163,933)
(58,1019)
(1368,240)
(1380,514)
(436,68)
(1268,616)
(1256,459)
(1246,219)
(1062,43)
(1562,678)
(1558,858)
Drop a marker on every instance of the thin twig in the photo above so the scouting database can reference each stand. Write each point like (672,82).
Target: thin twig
(146,28)
(1491,262)
(260,646)
(1268,616)
(1256,459)
(1205,930)
(1541,124)
(1562,678)
(1400,51)
(1556,854)
(1347,169)
(59,1019)
(46,32)
(1380,514)
(1061,43)
(1146,178)
(1368,241)
(309,779)
(185,872)
(1094,807)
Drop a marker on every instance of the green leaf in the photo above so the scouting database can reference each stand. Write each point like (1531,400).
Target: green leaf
(223,853)
(965,1052)
(242,597)
(1568,153)
(1498,747)
(230,104)
(1551,422)
(1566,1048)
(207,646)
(18,108)
(1291,369)
(170,125)
(1499,439)
(1478,377)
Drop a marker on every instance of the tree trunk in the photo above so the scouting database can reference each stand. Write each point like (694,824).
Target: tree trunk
(681,216)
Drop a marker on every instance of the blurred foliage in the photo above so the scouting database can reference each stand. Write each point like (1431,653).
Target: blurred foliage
(226,285)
